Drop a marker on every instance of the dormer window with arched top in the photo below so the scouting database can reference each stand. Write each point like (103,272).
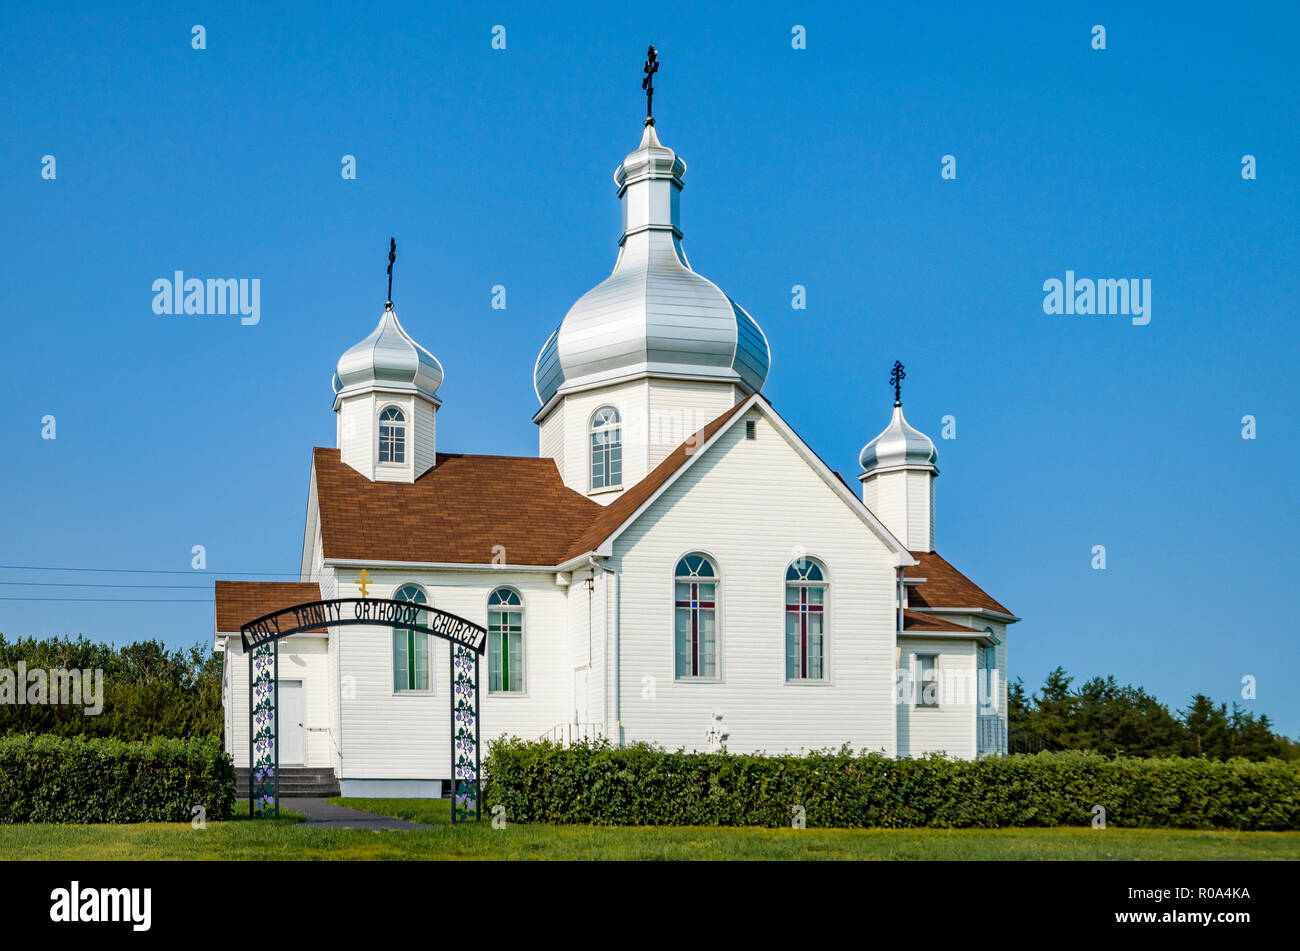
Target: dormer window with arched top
(392,435)
(606,449)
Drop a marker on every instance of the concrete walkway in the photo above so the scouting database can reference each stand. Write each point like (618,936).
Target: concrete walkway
(323,815)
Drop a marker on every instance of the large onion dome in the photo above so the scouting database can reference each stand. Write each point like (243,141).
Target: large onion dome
(654,315)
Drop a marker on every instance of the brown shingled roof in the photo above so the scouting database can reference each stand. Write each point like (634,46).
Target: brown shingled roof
(945,586)
(456,513)
(618,511)
(917,622)
(239,602)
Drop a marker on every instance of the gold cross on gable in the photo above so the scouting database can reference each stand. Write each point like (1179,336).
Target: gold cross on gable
(363,582)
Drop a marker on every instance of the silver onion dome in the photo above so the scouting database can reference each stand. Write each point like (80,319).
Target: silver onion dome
(388,359)
(654,315)
(900,445)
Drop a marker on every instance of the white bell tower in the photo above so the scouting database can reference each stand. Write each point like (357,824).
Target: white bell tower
(385,395)
(899,468)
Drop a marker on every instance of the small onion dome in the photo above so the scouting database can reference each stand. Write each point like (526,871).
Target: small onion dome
(899,446)
(654,315)
(388,359)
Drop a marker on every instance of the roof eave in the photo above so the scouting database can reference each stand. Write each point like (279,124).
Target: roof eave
(982,612)
(338,562)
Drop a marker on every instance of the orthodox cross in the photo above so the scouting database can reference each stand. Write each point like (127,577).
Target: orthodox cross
(648,84)
(392,256)
(363,582)
(896,381)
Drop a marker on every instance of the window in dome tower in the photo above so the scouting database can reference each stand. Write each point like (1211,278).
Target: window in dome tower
(392,435)
(606,448)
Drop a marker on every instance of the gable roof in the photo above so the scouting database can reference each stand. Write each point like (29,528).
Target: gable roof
(626,505)
(916,622)
(945,586)
(462,509)
(456,513)
(238,602)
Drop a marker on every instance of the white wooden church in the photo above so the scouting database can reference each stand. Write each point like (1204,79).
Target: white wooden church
(676,565)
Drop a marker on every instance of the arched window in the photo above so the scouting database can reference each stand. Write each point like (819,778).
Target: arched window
(805,620)
(696,601)
(606,448)
(410,648)
(505,642)
(392,435)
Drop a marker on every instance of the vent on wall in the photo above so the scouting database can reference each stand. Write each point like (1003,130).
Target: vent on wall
(751,429)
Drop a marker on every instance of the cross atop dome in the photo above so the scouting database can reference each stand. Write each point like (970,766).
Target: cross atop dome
(654,316)
(392,256)
(896,381)
(648,84)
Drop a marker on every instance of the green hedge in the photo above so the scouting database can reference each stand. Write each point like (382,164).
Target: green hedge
(646,786)
(55,779)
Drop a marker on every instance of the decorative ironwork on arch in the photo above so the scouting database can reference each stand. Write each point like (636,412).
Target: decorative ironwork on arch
(261,641)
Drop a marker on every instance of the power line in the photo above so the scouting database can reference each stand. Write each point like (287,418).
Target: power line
(87,584)
(145,571)
(123,600)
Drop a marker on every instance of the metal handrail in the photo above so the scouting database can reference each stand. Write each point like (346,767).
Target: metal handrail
(565,733)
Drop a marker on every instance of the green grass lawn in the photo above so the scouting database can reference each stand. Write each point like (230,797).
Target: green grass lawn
(285,839)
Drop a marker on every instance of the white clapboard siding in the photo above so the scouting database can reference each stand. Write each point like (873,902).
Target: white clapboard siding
(422,436)
(919,524)
(550,437)
(630,401)
(999,630)
(391,735)
(358,435)
(680,408)
(302,657)
(754,505)
(949,728)
(587,614)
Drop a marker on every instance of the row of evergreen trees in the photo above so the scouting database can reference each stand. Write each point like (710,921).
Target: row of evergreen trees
(148,690)
(1110,718)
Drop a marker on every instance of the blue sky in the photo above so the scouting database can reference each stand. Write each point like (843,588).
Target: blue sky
(818,167)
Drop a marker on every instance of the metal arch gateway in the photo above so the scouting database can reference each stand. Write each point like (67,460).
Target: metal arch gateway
(261,640)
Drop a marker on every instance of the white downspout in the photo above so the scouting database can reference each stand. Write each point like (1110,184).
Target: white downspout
(898,657)
(618,612)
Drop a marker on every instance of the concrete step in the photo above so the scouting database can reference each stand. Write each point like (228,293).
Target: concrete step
(294,781)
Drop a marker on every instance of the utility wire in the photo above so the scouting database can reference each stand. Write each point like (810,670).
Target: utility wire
(86,584)
(122,600)
(145,571)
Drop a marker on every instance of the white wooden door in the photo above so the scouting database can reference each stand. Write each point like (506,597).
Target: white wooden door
(580,695)
(291,737)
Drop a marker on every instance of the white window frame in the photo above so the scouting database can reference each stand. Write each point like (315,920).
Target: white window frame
(987,704)
(719,675)
(592,430)
(380,422)
(825,679)
(523,640)
(433,670)
(918,687)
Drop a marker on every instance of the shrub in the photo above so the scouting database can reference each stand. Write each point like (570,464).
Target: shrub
(597,784)
(148,690)
(55,779)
